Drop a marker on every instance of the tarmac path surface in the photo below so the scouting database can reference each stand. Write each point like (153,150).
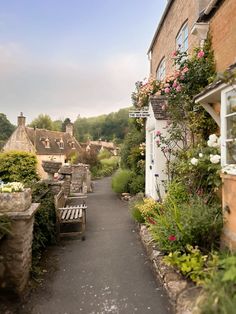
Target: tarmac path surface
(107,273)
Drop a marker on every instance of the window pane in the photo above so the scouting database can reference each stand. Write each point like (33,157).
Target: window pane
(231,152)
(231,127)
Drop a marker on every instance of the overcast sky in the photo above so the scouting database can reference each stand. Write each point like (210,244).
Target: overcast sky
(67,58)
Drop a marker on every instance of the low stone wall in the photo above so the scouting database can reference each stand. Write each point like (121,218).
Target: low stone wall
(16,250)
(183,294)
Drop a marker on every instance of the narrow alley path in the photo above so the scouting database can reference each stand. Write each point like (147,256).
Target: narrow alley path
(106,273)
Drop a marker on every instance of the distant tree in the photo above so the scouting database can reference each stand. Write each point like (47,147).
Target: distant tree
(43,121)
(64,124)
(6,129)
(57,125)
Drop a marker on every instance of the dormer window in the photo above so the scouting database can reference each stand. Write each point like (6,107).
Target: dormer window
(47,143)
(61,144)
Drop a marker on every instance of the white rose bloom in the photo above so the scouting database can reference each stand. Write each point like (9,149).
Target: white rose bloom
(194,161)
(215,159)
(200,155)
(213,138)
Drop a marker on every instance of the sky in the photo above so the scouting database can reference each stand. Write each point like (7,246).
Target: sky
(70,58)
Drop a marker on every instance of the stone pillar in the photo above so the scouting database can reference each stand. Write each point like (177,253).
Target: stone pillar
(16,248)
(78,177)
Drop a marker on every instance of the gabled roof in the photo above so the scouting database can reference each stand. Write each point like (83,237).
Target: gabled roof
(38,138)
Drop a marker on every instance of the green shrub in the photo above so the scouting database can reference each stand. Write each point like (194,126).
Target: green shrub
(193,222)
(219,294)
(137,184)
(193,264)
(120,181)
(104,154)
(5,226)
(44,232)
(16,166)
(134,207)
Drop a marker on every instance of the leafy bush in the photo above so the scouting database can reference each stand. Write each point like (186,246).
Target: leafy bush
(104,154)
(194,222)
(5,226)
(220,291)
(137,184)
(120,181)
(44,232)
(18,166)
(193,263)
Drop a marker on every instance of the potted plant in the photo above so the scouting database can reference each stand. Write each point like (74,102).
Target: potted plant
(14,197)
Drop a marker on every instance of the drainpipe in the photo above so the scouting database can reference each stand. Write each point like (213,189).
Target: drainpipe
(210,6)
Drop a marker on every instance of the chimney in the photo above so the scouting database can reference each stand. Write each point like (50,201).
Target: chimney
(21,120)
(69,128)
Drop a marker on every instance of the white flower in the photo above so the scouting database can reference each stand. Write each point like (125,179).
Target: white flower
(214,159)
(194,161)
(200,155)
(213,141)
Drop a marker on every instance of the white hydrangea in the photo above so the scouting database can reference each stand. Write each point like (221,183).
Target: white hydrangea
(194,161)
(215,159)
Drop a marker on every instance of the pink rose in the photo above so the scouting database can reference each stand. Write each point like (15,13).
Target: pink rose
(185,69)
(175,84)
(178,88)
(158,133)
(167,90)
(172,238)
(200,54)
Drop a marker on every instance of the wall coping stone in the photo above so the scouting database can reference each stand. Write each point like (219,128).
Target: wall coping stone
(25,215)
(183,294)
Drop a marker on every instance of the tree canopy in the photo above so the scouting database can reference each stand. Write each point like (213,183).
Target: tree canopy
(6,129)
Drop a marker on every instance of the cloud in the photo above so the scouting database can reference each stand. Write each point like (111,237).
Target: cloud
(66,89)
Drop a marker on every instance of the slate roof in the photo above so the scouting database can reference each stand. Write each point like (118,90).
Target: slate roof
(218,82)
(157,103)
(59,143)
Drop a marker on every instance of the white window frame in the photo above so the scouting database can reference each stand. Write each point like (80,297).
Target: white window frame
(224,123)
(182,38)
(161,70)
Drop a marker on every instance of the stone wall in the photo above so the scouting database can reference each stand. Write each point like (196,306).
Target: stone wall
(16,250)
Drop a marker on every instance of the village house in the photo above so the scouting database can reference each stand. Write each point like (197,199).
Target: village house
(46,144)
(173,32)
(100,145)
(219,99)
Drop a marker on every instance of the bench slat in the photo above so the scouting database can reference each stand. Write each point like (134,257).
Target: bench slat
(68,214)
(72,213)
(76,213)
(63,214)
(80,212)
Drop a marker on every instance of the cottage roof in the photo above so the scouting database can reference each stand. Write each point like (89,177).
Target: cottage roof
(49,142)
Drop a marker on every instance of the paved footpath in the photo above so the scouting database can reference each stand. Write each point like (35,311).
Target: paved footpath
(107,273)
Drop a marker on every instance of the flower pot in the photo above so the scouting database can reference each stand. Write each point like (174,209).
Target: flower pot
(15,201)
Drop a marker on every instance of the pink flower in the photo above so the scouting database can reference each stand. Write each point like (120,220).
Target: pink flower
(175,84)
(178,88)
(172,238)
(185,69)
(200,54)
(158,142)
(167,90)
(174,53)
(158,133)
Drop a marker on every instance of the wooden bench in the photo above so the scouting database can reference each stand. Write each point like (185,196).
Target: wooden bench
(70,215)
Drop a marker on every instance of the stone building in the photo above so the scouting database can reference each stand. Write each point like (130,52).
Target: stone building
(46,144)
